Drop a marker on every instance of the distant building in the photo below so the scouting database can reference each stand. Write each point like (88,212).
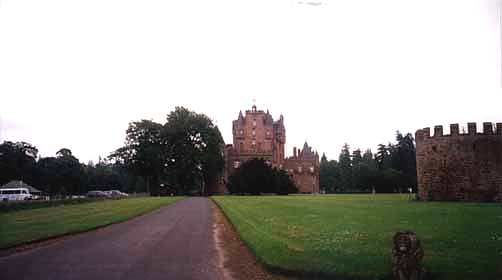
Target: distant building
(257,135)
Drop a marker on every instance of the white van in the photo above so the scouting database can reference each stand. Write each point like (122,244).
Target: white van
(15,194)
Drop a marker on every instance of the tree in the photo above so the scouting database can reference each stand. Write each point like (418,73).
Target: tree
(356,163)
(255,176)
(48,176)
(193,150)
(71,171)
(107,176)
(142,152)
(61,175)
(382,157)
(185,153)
(407,159)
(17,161)
(345,165)
(329,175)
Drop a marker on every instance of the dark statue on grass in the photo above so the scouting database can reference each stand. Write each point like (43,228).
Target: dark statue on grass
(407,255)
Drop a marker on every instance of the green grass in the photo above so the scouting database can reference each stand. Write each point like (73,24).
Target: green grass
(29,225)
(351,235)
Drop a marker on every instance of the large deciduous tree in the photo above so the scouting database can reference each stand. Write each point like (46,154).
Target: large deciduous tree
(142,152)
(193,149)
(17,161)
(184,153)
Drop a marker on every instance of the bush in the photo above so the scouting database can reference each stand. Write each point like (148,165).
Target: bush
(256,177)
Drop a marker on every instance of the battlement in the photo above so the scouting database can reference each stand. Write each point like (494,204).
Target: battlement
(488,129)
(462,165)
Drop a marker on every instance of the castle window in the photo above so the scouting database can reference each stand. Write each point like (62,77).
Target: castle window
(311,169)
(237,164)
(254,132)
(241,132)
(253,143)
(254,123)
(299,169)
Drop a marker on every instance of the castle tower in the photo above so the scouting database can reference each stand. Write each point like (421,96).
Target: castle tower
(257,135)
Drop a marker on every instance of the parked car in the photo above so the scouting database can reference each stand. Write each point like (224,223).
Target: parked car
(116,194)
(97,194)
(15,194)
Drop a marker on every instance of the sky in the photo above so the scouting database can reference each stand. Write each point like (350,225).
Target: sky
(73,74)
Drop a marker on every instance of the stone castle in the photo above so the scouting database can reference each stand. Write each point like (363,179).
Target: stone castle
(257,135)
(460,166)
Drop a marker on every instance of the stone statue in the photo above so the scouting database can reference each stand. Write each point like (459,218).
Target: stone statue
(407,255)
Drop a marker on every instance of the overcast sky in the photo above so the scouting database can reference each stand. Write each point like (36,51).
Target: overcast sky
(74,73)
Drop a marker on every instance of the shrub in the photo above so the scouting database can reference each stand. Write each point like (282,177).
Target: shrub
(256,177)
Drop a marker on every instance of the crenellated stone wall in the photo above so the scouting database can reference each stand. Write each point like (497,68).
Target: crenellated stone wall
(461,166)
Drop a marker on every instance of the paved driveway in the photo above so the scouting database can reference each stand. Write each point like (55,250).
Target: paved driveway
(174,242)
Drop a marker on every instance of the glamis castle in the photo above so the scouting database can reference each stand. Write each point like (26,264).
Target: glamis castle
(257,135)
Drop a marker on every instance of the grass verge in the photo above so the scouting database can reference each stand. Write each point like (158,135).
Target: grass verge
(26,226)
(350,236)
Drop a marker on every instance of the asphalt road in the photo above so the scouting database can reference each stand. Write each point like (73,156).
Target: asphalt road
(174,242)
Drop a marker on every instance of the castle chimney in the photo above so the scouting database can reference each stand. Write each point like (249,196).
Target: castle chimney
(499,128)
(294,152)
(454,129)
(471,128)
(438,130)
(487,128)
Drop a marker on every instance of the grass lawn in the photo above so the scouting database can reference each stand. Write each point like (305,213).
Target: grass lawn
(351,235)
(29,225)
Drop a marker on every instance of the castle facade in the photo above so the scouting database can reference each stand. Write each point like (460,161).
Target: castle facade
(257,135)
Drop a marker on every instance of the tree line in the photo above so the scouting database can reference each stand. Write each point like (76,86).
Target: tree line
(184,155)
(62,174)
(181,156)
(391,169)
